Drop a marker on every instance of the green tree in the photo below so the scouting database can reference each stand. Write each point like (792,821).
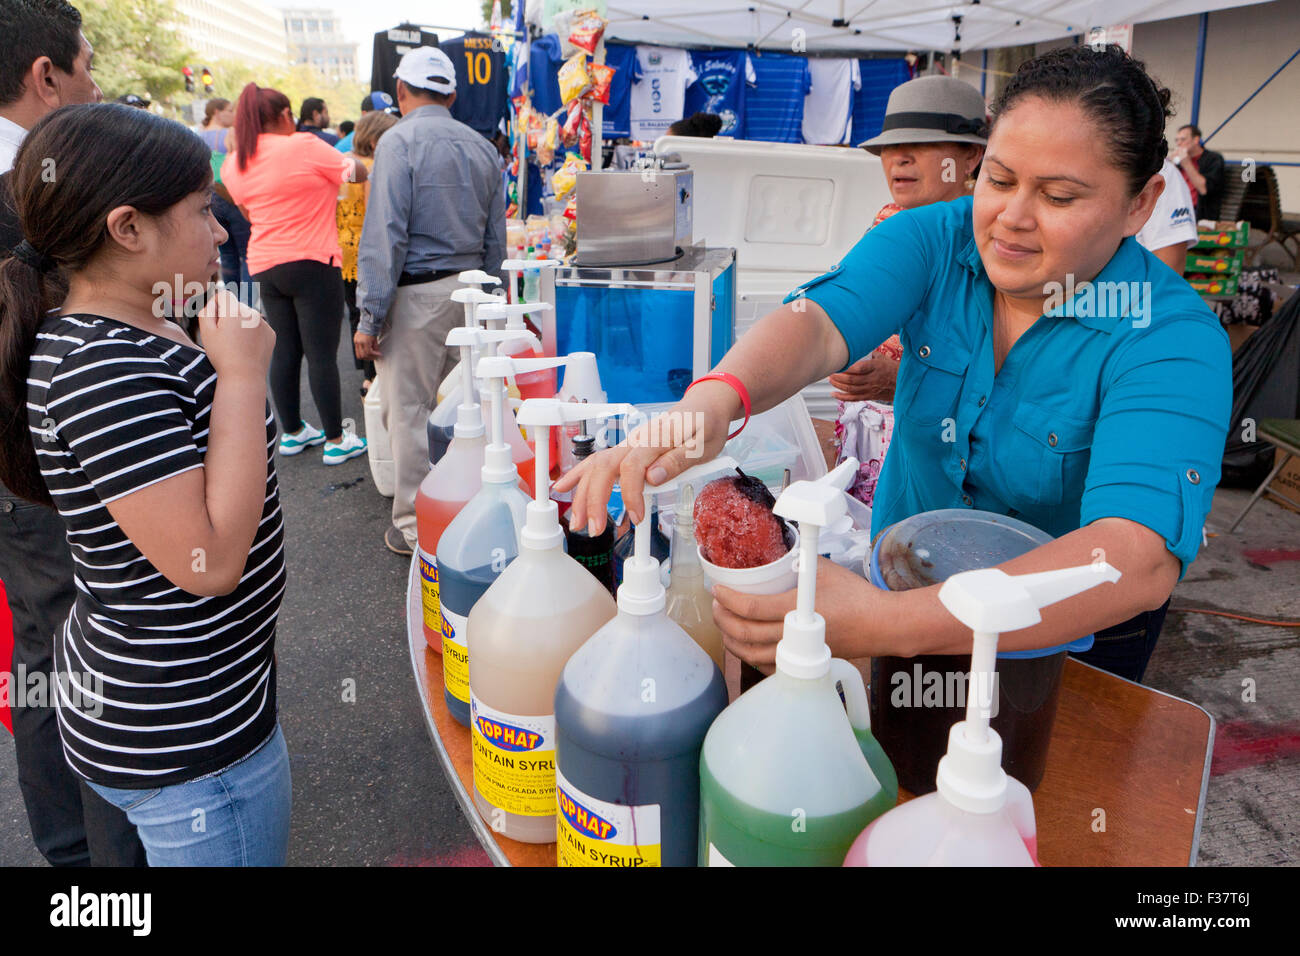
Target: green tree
(137,50)
(507,12)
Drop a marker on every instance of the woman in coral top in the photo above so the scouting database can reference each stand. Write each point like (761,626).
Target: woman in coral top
(287,184)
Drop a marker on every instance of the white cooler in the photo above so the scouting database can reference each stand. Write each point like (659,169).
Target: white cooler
(379,447)
(790,211)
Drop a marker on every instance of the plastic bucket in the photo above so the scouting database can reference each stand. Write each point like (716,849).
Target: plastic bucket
(916,700)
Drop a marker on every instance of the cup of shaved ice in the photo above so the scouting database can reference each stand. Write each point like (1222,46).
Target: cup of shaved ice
(742,544)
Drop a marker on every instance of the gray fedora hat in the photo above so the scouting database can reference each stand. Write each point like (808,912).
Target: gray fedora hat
(931,109)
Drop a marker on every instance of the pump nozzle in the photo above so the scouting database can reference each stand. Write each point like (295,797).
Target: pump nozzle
(477,277)
(543,528)
(802,650)
(469,417)
(990,601)
(515,266)
(496,370)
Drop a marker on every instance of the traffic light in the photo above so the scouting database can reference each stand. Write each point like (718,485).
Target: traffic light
(207,81)
(189,78)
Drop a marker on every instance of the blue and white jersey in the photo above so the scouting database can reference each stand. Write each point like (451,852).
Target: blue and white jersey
(722,79)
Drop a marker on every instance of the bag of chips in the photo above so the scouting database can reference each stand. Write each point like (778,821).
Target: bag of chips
(575,81)
(549,143)
(569,132)
(587,28)
(566,177)
(601,75)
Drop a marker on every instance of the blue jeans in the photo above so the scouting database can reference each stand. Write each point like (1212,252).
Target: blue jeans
(238,816)
(1126,648)
(234,251)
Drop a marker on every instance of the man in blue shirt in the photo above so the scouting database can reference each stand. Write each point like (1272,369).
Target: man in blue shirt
(315,116)
(436,208)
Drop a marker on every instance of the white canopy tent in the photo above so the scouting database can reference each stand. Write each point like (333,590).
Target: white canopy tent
(826,26)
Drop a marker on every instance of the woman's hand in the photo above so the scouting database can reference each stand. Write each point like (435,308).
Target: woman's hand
(870,379)
(237,339)
(751,624)
(692,431)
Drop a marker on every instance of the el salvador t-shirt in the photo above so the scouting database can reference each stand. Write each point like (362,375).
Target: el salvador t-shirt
(774,108)
(659,95)
(544,62)
(617,122)
(721,80)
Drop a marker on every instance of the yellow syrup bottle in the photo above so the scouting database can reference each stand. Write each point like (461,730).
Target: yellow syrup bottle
(521,633)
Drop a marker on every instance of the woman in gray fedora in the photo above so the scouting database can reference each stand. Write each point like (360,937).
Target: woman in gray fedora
(930,147)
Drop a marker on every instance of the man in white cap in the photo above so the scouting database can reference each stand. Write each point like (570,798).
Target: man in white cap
(436,208)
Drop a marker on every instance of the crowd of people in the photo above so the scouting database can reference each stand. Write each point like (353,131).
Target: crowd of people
(142,552)
(143,547)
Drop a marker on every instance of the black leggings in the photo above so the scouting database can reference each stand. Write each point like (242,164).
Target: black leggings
(303,303)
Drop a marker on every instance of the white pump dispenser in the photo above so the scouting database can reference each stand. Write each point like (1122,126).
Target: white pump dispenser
(990,601)
(499,464)
(788,742)
(513,267)
(979,815)
(472,299)
(521,632)
(543,532)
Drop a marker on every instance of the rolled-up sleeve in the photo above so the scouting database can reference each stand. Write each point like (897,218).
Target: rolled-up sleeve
(381,253)
(1158,444)
(878,285)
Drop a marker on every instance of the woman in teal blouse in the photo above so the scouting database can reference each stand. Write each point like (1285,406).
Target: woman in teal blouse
(1053,370)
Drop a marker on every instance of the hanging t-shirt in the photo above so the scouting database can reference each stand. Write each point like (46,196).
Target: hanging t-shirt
(481,77)
(774,107)
(389,48)
(617,121)
(828,111)
(659,94)
(879,77)
(723,76)
(544,62)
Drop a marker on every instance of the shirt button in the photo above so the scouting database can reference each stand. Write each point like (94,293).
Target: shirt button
(923,351)
(966,500)
(1051,439)
(983,399)
(962,463)
(1193,476)
(6,506)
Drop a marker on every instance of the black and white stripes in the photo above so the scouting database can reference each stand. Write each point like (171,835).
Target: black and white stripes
(180,684)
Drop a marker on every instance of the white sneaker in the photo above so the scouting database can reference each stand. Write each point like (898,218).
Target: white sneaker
(303,437)
(350,446)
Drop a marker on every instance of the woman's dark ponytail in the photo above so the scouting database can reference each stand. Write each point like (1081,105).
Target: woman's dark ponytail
(24,299)
(77,165)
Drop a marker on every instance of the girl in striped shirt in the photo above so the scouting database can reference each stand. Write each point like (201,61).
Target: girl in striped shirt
(157,454)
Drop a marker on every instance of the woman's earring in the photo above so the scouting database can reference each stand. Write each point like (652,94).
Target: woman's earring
(970,183)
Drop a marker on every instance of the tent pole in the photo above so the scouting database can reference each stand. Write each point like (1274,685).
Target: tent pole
(1201,26)
(1253,95)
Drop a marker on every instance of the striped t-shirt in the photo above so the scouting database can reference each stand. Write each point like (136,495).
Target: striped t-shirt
(156,685)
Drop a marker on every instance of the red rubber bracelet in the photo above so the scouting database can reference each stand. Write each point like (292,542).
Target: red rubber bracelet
(735,383)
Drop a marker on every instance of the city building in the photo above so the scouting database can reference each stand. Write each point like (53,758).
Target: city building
(247,30)
(315,38)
